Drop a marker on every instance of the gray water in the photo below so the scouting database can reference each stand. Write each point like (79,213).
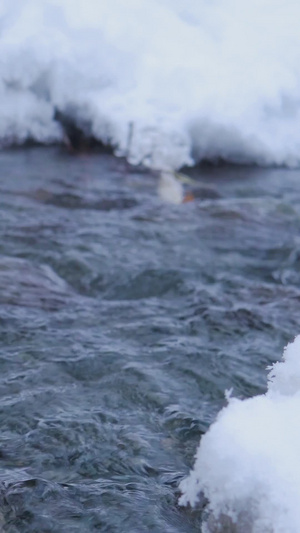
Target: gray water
(122,322)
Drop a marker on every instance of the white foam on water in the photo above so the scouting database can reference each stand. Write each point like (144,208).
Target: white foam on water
(166,82)
(247,464)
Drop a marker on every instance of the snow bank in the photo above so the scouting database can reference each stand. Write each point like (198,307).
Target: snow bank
(248,464)
(166,82)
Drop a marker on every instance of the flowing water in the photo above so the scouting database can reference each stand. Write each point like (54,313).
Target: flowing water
(122,322)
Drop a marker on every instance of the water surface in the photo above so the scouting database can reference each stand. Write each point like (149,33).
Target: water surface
(122,322)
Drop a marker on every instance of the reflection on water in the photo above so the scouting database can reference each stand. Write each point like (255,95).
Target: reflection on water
(122,322)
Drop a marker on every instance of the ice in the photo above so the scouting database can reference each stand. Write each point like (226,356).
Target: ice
(166,83)
(170,189)
(247,464)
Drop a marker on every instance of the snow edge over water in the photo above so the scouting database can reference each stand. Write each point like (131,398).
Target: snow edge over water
(247,464)
(165,83)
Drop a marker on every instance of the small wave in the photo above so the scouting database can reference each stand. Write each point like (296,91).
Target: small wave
(24,284)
